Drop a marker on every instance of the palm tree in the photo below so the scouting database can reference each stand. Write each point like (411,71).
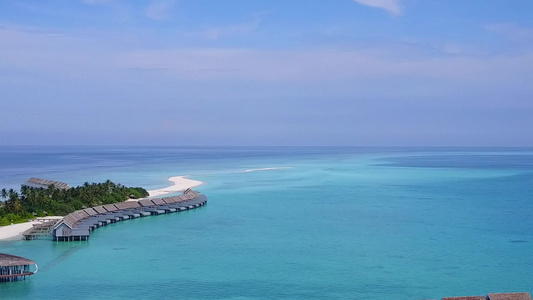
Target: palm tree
(29,197)
(41,197)
(17,206)
(24,190)
(13,196)
(3,194)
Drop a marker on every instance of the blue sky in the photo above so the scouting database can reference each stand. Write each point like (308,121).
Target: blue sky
(277,72)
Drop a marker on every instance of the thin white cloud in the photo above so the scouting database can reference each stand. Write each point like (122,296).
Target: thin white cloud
(511,31)
(318,65)
(94,1)
(392,6)
(55,55)
(215,33)
(160,10)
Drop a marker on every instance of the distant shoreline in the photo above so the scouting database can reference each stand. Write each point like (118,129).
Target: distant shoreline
(179,184)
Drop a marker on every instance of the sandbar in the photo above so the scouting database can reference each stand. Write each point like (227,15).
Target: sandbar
(179,184)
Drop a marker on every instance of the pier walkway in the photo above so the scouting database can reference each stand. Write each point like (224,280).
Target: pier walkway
(40,230)
(78,225)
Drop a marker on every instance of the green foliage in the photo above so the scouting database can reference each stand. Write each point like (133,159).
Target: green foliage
(10,218)
(63,209)
(4,221)
(138,192)
(18,208)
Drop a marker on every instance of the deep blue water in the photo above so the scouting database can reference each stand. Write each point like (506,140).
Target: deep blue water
(326,223)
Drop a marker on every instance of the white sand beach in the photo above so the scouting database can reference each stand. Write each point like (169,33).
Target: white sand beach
(180,183)
(14,231)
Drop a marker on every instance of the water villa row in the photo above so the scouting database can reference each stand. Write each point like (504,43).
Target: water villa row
(13,268)
(500,296)
(78,225)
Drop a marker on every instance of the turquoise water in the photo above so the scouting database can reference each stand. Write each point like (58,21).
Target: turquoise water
(324,223)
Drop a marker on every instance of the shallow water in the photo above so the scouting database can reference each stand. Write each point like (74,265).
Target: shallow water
(292,223)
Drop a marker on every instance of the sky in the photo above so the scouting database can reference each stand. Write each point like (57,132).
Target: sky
(267,73)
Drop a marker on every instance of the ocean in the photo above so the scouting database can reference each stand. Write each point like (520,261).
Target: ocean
(291,223)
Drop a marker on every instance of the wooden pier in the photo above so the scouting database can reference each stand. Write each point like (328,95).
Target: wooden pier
(13,268)
(78,225)
(42,230)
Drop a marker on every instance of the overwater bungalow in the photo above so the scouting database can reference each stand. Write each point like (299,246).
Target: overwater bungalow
(78,225)
(13,268)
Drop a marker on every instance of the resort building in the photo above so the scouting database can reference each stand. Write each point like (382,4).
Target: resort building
(43,183)
(13,268)
(78,225)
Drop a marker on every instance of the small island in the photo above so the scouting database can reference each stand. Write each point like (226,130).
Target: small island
(67,213)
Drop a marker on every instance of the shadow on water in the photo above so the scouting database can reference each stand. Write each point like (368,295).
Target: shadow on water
(70,249)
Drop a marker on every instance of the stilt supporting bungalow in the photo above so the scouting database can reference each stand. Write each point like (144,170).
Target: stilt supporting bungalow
(13,268)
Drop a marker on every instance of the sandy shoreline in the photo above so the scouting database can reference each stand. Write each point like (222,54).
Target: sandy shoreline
(14,231)
(179,184)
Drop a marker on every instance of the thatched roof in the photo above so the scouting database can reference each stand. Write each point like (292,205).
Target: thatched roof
(510,296)
(100,209)
(7,260)
(158,201)
(90,211)
(466,298)
(69,220)
(133,204)
(146,202)
(81,214)
(110,207)
(127,205)
(44,183)
(502,296)
(168,200)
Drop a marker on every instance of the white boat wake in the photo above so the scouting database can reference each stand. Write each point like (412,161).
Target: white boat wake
(266,169)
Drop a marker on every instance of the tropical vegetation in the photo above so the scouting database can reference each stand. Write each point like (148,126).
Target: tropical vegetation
(30,202)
